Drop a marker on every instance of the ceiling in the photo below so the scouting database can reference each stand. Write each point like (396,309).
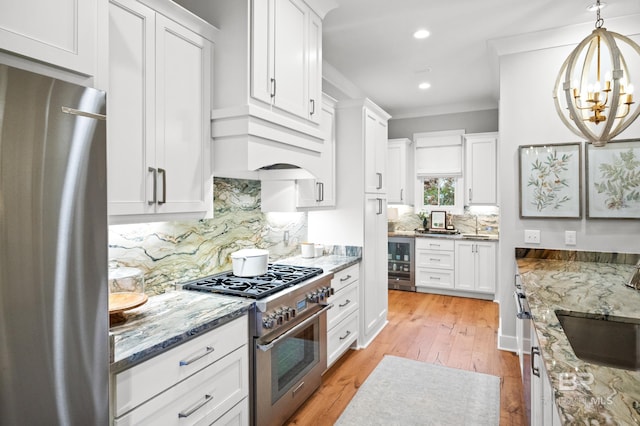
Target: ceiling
(371,44)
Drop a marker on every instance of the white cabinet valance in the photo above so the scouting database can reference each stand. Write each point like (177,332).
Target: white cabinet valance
(439,153)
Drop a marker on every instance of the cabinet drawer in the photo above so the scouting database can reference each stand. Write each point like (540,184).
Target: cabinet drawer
(435,259)
(237,416)
(434,244)
(342,337)
(343,278)
(201,399)
(143,381)
(440,278)
(344,303)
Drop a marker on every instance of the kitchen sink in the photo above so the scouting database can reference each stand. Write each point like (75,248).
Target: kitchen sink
(478,236)
(603,339)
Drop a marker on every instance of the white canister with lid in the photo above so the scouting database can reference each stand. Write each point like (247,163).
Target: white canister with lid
(307,250)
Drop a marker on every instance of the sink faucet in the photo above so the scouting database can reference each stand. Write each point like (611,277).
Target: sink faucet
(634,281)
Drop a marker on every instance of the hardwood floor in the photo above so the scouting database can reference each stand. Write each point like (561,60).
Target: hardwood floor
(451,331)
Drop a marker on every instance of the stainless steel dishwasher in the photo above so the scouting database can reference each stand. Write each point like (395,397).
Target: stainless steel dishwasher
(401,263)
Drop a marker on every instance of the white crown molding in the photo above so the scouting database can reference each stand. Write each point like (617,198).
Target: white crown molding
(443,109)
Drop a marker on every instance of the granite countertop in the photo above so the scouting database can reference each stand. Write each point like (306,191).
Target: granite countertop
(172,318)
(607,395)
(459,236)
(328,263)
(168,320)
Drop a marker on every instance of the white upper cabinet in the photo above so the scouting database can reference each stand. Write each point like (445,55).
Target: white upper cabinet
(375,150)
(481,168)
(63,33)
(268,82)
(321,192)
(280,39)
(399,172)
(159,146)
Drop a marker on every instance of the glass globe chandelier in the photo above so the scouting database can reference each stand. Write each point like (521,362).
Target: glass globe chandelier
(593,93)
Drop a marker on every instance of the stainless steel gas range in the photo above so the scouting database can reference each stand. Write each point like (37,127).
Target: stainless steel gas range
(288,329)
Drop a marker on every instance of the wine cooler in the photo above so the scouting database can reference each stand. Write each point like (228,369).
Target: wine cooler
(401,263)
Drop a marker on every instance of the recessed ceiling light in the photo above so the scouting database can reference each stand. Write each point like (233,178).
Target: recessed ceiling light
(595,7)
(420,34)
(424,86)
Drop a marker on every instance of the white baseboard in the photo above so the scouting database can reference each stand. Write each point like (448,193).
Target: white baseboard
(507,343)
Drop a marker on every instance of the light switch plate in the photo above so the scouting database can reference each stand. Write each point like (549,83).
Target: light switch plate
(532,236)
(570,238)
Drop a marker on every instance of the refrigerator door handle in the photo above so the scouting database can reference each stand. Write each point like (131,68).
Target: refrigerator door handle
(74,111)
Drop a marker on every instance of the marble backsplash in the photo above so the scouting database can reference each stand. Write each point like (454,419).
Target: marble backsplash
(174,252)
(488,220)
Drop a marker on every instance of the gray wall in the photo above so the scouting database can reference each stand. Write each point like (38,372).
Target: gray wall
(471,122)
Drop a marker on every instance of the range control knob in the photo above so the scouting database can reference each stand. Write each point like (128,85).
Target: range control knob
(313,297)
(267,322)
(287,313)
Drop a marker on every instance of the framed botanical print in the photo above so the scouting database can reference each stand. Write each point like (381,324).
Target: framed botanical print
(550,181)
(613,180)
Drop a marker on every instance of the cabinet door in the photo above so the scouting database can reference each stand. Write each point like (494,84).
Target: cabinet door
(291,73)
(375,148)
(481,169)
(183,104)
(61,32)
(395,173)
(320,192)
(131,123)
(262,54)
(485,267)
(465,265)
(374,282)
(314,63)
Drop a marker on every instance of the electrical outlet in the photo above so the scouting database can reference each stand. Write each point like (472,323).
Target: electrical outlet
(570,238)
(532,236)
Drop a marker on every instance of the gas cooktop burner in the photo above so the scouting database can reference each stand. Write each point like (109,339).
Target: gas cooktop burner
(278,277)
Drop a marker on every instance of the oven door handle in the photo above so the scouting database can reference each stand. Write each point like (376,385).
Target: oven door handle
(271,344)
(521,313)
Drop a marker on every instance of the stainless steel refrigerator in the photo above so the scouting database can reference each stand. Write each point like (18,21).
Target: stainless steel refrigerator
(53,252)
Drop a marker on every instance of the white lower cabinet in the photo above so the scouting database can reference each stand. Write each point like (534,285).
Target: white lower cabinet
(456,267)
(203,381)
(475,266)
(543,407)
(342,319)
(434,263)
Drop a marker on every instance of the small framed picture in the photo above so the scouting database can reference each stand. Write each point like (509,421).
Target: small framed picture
(613,180)
(438,220)
(550,181)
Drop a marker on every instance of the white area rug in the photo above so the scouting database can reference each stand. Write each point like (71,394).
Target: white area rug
(402,391)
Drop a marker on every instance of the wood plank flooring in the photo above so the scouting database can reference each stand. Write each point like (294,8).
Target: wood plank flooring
(451,331)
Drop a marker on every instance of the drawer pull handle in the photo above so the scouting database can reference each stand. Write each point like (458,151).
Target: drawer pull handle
(535,350)
(207,351)
(190,411)
(346,335)
(348,277)
(434,260)
(344,304)
(435,278)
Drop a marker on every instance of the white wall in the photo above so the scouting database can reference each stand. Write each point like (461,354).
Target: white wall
(471,122)
(528,116)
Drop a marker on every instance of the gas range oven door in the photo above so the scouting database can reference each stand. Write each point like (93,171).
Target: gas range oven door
(288,369)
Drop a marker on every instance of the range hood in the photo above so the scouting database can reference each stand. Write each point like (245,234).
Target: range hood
(254,143)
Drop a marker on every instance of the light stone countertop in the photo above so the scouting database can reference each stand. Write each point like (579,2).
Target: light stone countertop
(172,318)
(490,237)
(613,397)
(168,320)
